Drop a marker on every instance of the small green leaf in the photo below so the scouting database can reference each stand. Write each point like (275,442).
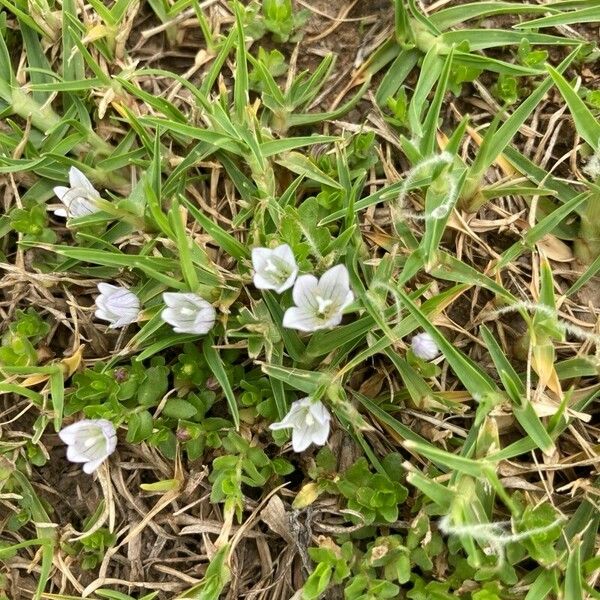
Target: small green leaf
(176,408)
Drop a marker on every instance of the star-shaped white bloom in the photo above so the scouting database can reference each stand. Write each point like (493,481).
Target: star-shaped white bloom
(274,268)
(424,346)
(117,305)
(309,422)
(188,313)
(319,302)
(79,199)
(90,441)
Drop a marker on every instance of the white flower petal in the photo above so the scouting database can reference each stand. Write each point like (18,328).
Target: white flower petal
(309,422)
(301,439)
(78,203)
(90,467)
(288,283)
(334,282)
(197,328)
(319,302)
(169,315)
(79,199)
(188,313)
(301,319)
(333,321)
(205,321)
(74,455)
(80,207)
(122,298)
(117,305)
(305,402)
(60,191)
(279,425)
(89,441)
(320,412)
(285,253)
(110,434)
(304,291)
(349,299)
(127,318)
(334,285)
(292,419)
(107,288)
(78,180)
(320,434)
(102,314)
(262,282)
(82,428)
(274,269)
(424,346)
(260,256)
(172,299)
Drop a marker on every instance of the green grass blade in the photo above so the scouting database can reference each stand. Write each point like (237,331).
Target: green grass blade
(217,233)
(573,587)
(481,39)
(240,89)
(215,363)
(431,70)
(454,15)
(547,225)
(586,276)
(184,247)
(586,124)
(474,380)
(301,165)
(273,147)
(590,14)
(396,74)
(430,124)
(522,409)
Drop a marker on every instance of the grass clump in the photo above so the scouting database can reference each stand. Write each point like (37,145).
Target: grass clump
(315,324)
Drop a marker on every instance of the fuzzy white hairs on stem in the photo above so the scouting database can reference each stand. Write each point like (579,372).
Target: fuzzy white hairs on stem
(565,326)
(496,535)
(382,285)
(441,211)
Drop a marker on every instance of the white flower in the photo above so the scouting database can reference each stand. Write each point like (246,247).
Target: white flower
(79,199)
(188,313)
(309,421)
(117,305)
(592,168)
(274,269)
(319,302)
(424,346)
(90,441)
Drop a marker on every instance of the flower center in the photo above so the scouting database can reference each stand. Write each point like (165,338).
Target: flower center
(278,269)
(323,304)
(185,311)
(309,419)
(270,267)
(92,440)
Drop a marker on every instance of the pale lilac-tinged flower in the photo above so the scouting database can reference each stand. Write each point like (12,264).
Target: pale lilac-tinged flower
(90,441)
(79,199)
(188,313)
(319,302)
(424,346)
(274,268)
(117,305)
(592,168)
(309,422)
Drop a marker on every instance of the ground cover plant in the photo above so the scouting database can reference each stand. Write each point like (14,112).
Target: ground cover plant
(299,299)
